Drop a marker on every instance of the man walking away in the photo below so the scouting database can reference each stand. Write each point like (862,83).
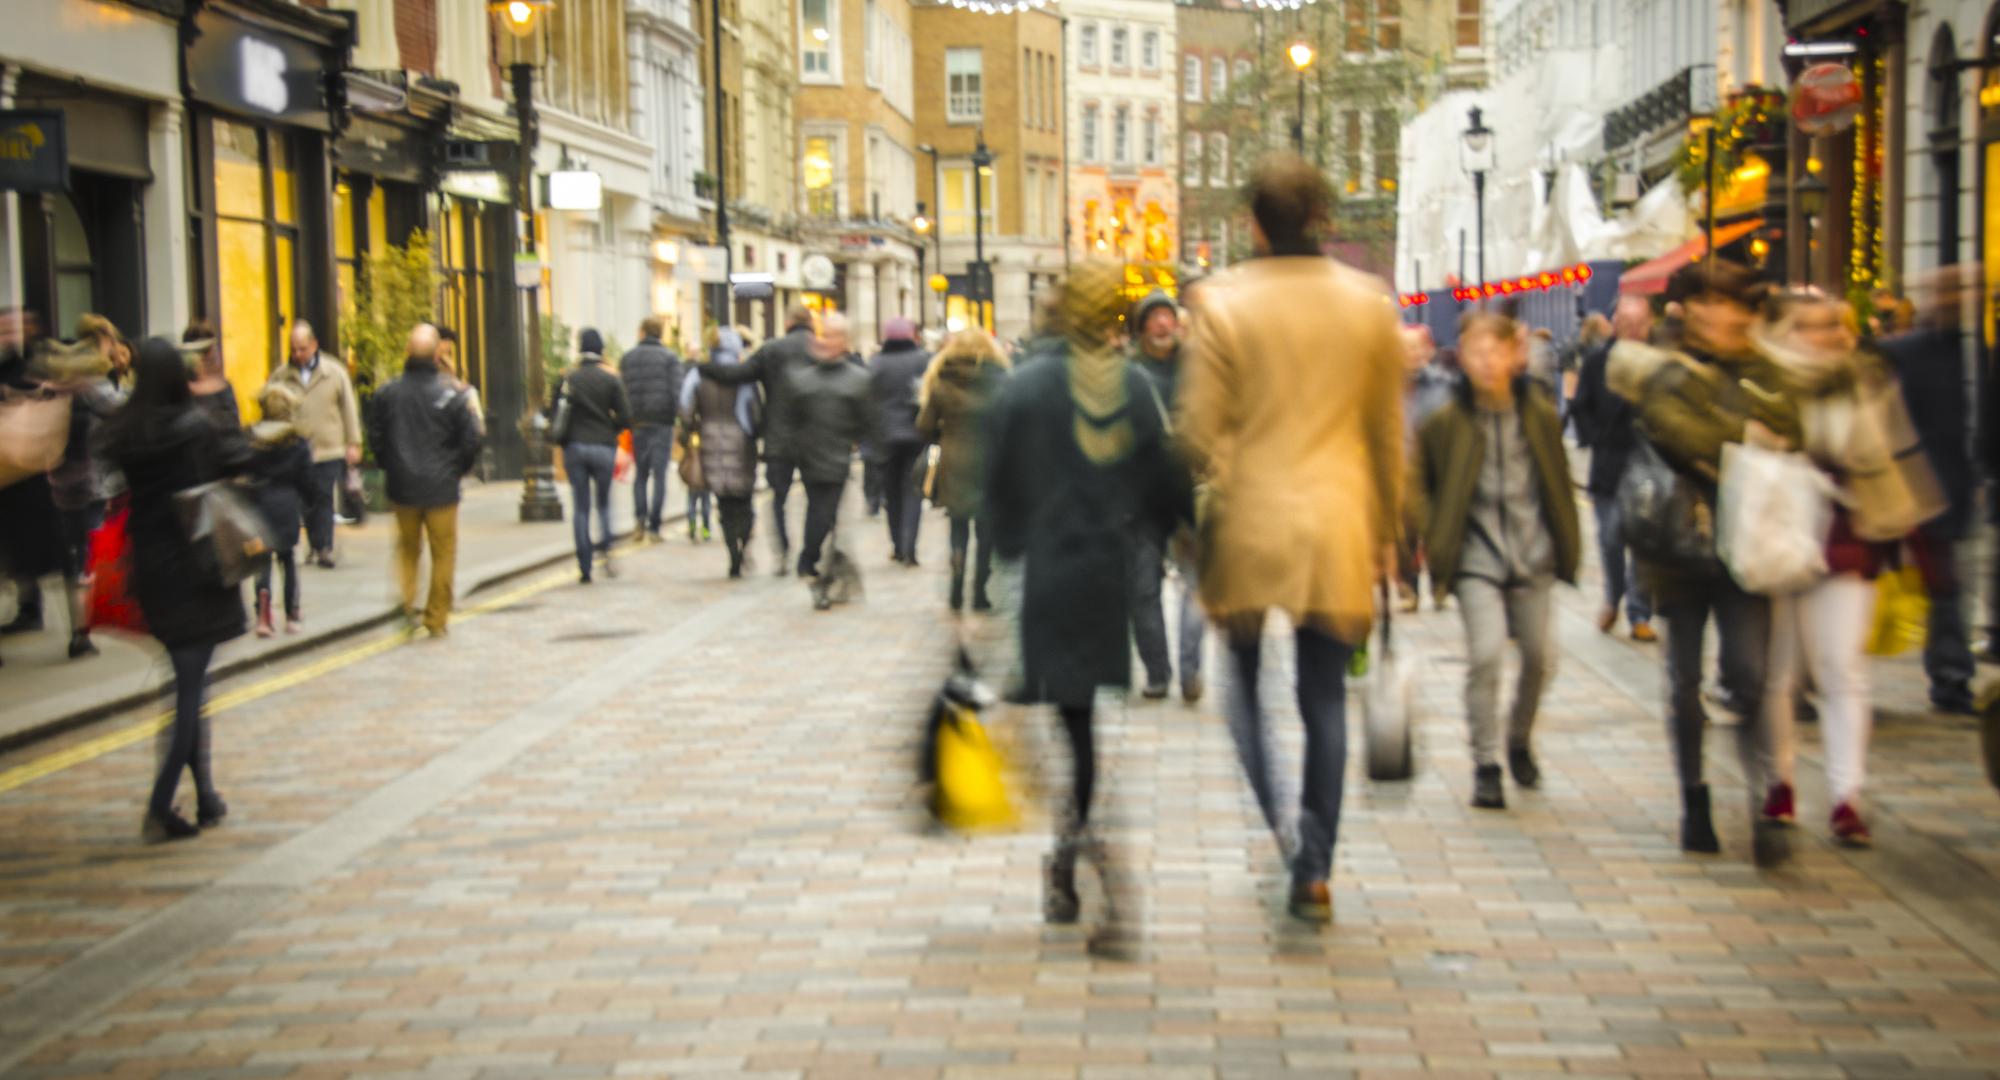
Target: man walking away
(773,365)
(829,411)
(425,439)
(1305,447)
(1604,424)
(1158,353)
(1493,492)
(332,423)
(894,377)
(598,410)
(652,376)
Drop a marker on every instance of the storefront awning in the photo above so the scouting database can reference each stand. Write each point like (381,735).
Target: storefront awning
(1649,278)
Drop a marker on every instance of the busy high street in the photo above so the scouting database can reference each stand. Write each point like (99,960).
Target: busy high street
(966,539)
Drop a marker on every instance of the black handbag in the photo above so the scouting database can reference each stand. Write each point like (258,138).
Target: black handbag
(229,538)
(559,423)
(1665,515)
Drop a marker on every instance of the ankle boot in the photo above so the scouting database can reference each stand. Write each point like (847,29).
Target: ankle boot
(957,591)
(1697,826)
(1060,904)
(264,627)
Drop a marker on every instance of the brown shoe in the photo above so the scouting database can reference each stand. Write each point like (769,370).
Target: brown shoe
(1312,901)
(1606,619)
(1643,633)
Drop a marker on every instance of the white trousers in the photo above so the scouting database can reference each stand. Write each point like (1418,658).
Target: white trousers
(1826,627)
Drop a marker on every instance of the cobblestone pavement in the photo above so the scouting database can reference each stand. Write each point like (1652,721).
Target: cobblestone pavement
(659,826)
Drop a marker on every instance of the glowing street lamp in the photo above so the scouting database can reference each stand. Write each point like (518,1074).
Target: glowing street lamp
(519,16)
(1301,54)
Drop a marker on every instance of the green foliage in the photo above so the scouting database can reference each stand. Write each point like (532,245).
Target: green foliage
(1752,116)
(397,289)
(556,337)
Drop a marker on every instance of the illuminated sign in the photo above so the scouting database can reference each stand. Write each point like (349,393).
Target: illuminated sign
(263,73)
(575,190)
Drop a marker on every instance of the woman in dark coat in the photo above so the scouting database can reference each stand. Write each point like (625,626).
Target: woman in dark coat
(725,417)
(166,444)
(957,390)
(1077,459)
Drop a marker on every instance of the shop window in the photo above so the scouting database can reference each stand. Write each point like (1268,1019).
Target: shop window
(257,251)
(463,258)
(346,257)
(75,270)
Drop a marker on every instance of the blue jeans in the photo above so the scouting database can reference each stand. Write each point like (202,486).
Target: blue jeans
(1322,690)
(589,466)
(699,505)
(652,457)
(1149,621)
(1621,574)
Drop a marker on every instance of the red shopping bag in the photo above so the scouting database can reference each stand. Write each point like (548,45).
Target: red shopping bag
(112,604)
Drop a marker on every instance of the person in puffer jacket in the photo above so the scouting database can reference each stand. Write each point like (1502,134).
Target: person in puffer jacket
(652,375)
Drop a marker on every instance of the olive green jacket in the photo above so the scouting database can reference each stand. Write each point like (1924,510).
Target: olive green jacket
(1450,451)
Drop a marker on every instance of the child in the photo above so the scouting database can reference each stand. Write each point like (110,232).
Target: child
(1500,526)
(283,473)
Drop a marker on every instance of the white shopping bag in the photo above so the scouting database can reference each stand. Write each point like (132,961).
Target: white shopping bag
(1386,715)
(1772,518)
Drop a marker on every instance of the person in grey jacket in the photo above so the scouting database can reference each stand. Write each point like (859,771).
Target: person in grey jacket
(828,410)
(652,376)
(599,410)
(773,365)
(893,377)
(1156,324)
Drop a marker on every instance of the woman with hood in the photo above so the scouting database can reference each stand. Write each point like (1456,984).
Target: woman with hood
(725,418)
(959,385)
(166,443)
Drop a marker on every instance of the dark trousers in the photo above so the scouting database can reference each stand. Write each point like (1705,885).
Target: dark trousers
(822,511)
(1322,692)
(1621,577)
(326,477)
(1149,621)
(737,516)
(652,459)
(901,497)
(186,743)
(778,472)
(961,539)
(590,468)
(871,480)
(287,559)
(1743,623)
(699,505)
(1076,725)
(1948,644)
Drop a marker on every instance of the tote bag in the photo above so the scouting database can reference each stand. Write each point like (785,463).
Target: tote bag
(34,432)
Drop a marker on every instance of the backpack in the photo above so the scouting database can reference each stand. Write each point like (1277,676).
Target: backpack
(1666,517)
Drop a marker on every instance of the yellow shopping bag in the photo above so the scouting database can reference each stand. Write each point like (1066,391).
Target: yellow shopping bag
(971,793)
(1902,612)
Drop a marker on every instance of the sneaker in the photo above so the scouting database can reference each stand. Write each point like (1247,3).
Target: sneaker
(1311,901)
(1848,828)
(1780,805)
(294,624)
(1487,794)
(1607,619)
(1156,691)
(1521,762)
(1644,634)
(706,536)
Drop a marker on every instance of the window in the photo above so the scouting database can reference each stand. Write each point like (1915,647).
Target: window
(1149,141)
(1149,51)
(1031,88)
(1467,34)
(1052,215)
(1121,54)
(819,40)
(256,221)
(1355,14)
(1090,115)
(962,71)
(820,166)
(1121,135)
(1218,79)
(871,72)
(1219,148)
(1191,77)
(1191,170)
(1388,137)
(1242,72)
(1351,152)
(1389,25)
(1086,48)
(955,216)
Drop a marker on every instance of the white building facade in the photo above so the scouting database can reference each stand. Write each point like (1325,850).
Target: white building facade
(670,113)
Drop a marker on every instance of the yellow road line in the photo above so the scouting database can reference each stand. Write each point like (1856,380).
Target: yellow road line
(139,731)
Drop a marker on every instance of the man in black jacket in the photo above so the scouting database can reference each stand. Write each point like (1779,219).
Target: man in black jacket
(773,365)
(598,411)
(425,438)
(893,378)
(1604,423)
(828,411)
(652,375)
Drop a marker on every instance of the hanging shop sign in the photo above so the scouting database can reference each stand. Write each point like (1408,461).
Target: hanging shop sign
(251,70)
(527,270)
(1825,99)
(817,272)
(34,154)
(575,189)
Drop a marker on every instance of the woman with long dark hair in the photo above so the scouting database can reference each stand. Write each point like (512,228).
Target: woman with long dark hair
(166,443)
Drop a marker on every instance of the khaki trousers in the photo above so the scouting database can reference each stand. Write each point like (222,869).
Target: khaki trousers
(440,525)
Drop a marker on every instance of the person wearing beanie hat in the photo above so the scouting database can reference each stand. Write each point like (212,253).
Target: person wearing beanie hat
(598,411)
(284,487)
(1156,350)
(1077,450)
(893,377)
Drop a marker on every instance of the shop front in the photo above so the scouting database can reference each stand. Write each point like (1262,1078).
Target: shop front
(1854,241)
(260,199)
(1989,177)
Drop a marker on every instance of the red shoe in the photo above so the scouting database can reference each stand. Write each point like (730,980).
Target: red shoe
(1780,804)
(1848,828)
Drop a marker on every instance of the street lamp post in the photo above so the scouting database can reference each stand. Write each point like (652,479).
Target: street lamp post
(982,167)
(922,225)
(1301,55)
(937,190)
(1477,159)
(539,501)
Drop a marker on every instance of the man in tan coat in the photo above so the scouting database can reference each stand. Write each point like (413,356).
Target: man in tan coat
(332,424)
(1291,405)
